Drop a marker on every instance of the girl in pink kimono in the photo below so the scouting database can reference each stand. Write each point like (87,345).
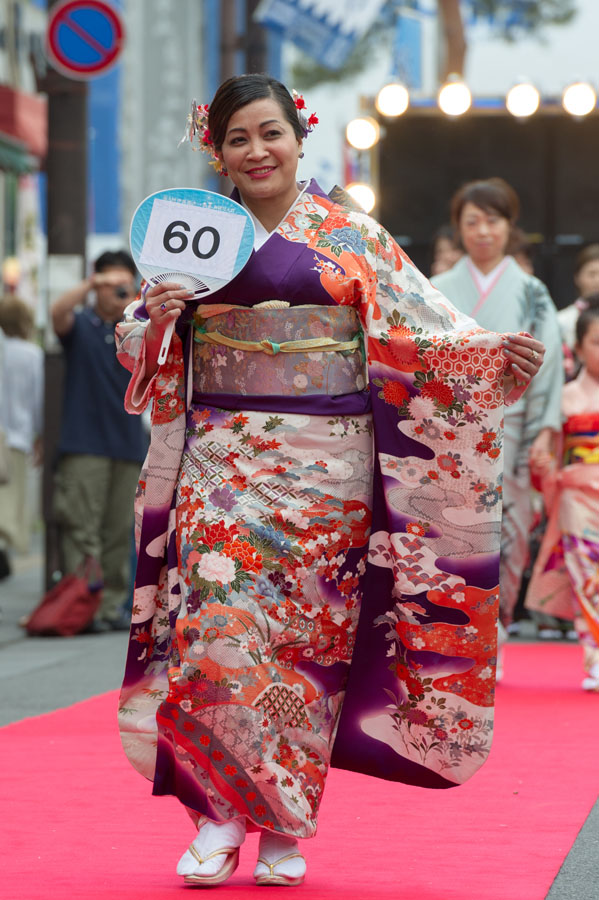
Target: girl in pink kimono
(565,579)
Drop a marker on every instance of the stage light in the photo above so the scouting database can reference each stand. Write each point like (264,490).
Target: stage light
(523,100)
(579,99)
(363,195)
(392,100)
(454,97)
(11,271)
(363,133)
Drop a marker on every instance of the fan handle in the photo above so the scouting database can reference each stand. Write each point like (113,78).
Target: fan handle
(166,342)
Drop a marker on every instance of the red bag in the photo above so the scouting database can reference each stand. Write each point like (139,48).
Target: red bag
(70,606)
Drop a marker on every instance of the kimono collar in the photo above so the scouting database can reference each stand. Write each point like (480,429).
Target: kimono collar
(581,395)
(590,387)
(261,234)
(486,283)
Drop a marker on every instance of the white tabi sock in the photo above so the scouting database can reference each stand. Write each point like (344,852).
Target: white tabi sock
(212,837)
(275,846)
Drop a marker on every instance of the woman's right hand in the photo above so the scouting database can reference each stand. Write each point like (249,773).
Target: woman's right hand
(164,304)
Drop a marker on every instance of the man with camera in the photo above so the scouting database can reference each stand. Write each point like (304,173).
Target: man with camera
(101,447)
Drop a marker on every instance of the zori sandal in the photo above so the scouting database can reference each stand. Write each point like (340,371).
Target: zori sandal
(226,870)
(273,878)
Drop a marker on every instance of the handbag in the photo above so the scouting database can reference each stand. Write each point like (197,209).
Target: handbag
(70,606)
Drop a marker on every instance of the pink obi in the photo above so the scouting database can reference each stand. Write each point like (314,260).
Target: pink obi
(293,351)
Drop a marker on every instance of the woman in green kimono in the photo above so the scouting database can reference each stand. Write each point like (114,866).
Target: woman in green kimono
(489,285)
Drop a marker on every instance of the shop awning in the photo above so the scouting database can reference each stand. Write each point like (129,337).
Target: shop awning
(14,156)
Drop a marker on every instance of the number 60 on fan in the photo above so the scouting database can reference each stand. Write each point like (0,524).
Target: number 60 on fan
(194,239)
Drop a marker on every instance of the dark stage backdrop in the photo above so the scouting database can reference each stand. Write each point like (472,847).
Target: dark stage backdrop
(551,160)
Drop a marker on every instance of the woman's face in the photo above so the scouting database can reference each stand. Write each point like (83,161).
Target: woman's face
(261,152)
(588,349)
(587,279)
(485,235)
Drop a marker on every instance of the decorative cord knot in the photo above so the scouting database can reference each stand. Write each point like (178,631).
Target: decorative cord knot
(271,348)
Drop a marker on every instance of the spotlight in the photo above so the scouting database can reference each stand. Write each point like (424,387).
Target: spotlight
(363,133)
(454,97)
(363,195)
(579,99)
(523,100)
(392,100)
(11,271)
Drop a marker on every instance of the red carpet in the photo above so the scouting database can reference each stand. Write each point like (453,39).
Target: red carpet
(78,822)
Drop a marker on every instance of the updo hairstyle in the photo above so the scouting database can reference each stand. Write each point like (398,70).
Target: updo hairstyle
(237,92)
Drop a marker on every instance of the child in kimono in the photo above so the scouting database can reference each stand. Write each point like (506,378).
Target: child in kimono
(565,579)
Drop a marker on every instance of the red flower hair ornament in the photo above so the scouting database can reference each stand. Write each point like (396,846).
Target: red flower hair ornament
(307,123)
(197,127)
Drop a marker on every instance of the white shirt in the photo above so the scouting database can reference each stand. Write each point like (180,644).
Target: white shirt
(21,403)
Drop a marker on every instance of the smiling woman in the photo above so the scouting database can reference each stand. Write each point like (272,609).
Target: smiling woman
(259,141)
(251,669)
(260,152)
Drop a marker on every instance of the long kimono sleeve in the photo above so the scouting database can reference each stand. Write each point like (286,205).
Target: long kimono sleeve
(422,684)
(131,352)
(543,398)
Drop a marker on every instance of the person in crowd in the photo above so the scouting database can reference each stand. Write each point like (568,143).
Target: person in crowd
(21,414)
(521,249)
(267,522)
(586,281)
(445,250)
(565,580)
(101,447)
(490,286)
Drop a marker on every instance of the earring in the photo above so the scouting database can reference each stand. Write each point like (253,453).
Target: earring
(301,155)
(224,172)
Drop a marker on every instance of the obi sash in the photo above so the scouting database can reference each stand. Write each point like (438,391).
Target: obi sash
(581,439)
(294,353)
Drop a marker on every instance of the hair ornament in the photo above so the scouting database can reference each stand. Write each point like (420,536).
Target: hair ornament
(309,122)
(197,127)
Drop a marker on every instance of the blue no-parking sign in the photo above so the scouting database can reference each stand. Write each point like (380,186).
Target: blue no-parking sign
(84,37)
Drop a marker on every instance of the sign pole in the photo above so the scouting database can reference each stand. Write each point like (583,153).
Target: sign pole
(66,169)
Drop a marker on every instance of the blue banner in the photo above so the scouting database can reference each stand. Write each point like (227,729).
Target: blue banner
(324,29)
(407,51)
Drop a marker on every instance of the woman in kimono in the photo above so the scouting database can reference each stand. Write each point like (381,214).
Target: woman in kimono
(284,497)
(489,285)
(565,580)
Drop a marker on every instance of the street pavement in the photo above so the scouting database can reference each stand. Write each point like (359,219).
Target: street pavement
(38,675)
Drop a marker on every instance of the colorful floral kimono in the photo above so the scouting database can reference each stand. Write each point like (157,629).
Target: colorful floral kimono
(514,301)
(318,554)
(565,579)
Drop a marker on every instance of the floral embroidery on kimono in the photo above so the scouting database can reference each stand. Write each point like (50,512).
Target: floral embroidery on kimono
(318,587)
